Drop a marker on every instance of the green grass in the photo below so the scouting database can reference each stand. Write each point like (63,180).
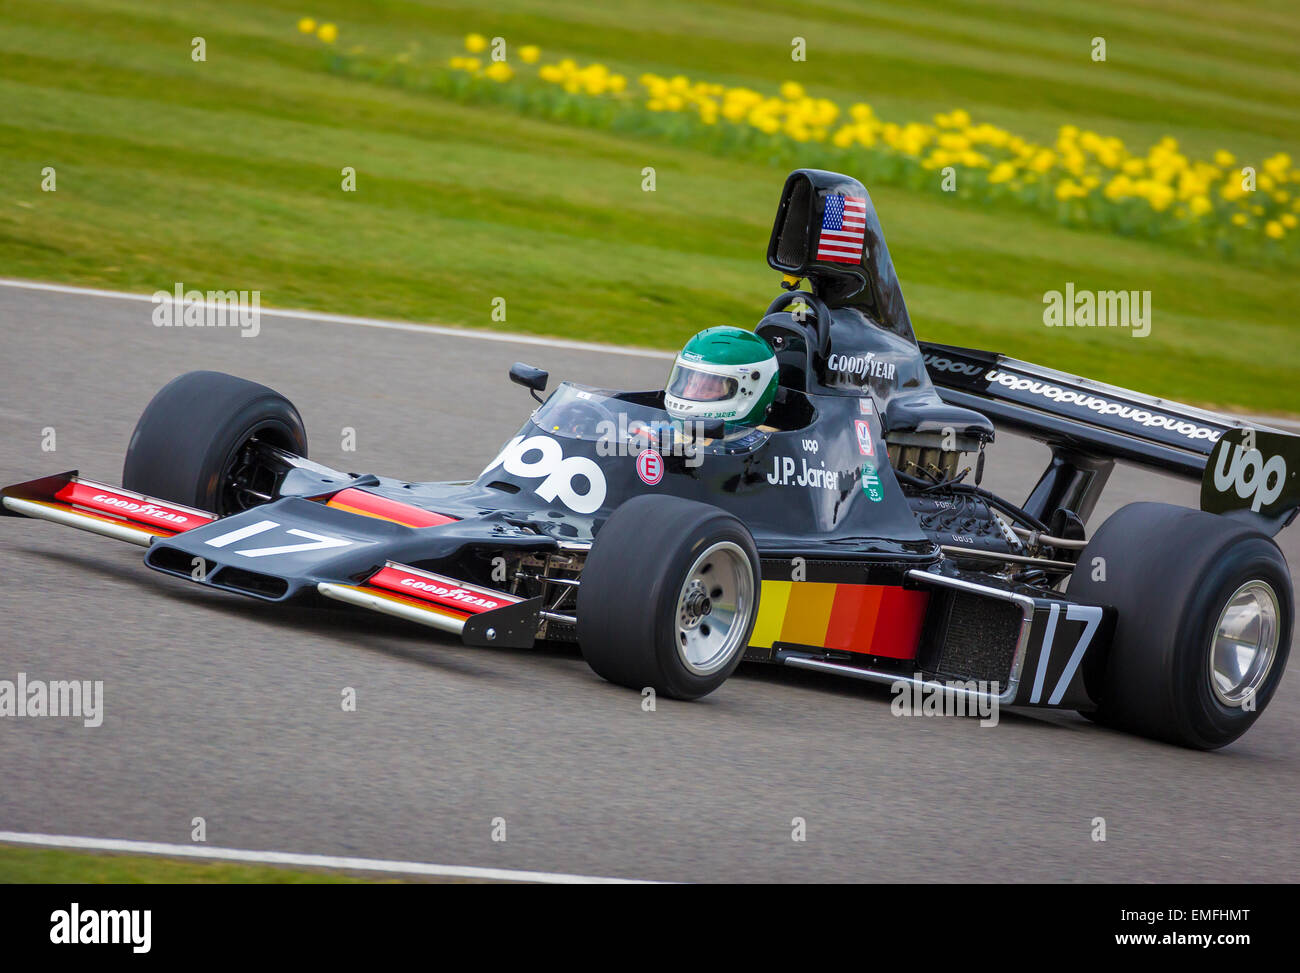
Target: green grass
(226,174)
(44,866)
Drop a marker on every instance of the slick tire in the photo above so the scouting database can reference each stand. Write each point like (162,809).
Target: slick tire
(668,596)
(192,435)
(1178,578)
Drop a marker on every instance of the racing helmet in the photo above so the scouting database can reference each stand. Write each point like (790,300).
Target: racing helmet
(723,373)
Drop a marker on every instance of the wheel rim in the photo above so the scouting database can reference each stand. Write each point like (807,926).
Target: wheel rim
(714,608)
(246,480)
(1245,643)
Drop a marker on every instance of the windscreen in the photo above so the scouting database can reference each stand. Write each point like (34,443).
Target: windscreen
(624,423)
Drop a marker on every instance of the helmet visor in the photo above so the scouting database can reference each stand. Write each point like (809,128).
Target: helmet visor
(696,386)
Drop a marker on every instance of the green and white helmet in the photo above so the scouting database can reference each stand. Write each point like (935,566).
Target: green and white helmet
(723,373)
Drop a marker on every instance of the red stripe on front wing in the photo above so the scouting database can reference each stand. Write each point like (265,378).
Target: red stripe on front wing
(132,507)
(448,592)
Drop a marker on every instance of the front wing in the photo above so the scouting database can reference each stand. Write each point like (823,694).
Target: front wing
(228,552)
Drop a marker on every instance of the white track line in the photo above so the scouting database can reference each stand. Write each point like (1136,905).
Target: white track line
(431,329)
(427,329)
(306,861)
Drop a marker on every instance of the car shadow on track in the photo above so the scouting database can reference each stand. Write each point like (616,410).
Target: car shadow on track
(314,616)
(879,693)
(395,638)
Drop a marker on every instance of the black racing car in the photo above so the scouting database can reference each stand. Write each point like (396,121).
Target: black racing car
(846,532)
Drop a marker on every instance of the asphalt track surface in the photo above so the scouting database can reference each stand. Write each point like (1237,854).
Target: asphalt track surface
(226,708)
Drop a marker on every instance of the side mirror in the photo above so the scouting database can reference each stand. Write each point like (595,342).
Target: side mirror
(530,377)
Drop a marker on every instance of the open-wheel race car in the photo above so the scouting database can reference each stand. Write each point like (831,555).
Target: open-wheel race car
(830,520)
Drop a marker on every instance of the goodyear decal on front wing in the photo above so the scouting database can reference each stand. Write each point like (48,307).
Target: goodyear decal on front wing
(425,586)
(872,619)
(162,518)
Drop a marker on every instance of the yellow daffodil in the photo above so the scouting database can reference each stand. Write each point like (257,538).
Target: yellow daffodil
(1277,166)
(307,26)
(1119,188)
(1042,161)
(1232,190)
(1078,164)
(1067,189)
(327,33)
(1002,172)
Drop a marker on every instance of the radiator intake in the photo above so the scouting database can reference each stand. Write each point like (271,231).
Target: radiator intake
(968,636)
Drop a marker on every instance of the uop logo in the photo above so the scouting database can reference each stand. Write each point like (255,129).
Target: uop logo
(938,364)
(560,475)
(1249,475)
(1101,405)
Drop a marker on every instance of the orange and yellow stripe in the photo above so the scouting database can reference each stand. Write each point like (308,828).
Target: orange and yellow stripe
(879,620)
(366,504)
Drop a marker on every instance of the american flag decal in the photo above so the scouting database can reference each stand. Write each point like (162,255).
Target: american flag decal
(843,224)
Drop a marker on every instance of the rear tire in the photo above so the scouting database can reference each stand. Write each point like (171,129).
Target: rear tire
(669,596)
(1172,573)
(192,435)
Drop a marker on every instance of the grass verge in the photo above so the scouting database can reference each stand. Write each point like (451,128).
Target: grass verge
(227,173)
(55,866)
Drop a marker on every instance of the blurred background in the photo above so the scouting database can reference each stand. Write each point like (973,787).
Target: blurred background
(504,150)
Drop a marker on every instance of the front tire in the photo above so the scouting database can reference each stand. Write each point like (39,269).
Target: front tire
(1204,627)
(192,442)
(668,596)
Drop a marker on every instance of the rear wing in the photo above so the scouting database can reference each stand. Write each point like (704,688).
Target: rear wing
(1242,467)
